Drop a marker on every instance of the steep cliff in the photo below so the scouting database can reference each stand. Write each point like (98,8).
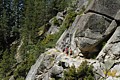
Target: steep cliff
(92,31)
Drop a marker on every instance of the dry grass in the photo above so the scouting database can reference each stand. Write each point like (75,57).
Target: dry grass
(110,73)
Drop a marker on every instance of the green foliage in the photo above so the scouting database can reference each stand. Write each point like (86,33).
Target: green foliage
(60,5)
(83,72)
(30,23)
(6,78)
(23,68)
(43,29)
(70,17)
(20,78)
(29,58)
(70,74)
(55,21)
(51,40)
(103,44)
(6,63)
(90,77)
(20,20)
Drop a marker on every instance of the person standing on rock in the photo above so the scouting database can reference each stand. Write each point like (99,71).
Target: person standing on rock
(70,51)
(66,50)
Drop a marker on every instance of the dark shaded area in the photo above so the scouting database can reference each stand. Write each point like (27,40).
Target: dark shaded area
(100,14)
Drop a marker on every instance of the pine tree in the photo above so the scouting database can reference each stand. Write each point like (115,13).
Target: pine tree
(7,63)
(4,29)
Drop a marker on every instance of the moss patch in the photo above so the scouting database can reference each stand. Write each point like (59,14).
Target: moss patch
(55,21)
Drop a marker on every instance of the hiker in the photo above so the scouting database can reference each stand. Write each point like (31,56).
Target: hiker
(66,50)
(70,52)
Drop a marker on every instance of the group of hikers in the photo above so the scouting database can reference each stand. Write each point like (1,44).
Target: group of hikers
(68,51)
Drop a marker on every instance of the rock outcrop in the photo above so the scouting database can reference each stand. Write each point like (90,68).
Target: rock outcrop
(34,69)
(52,64)
(56,22)
(112,49)
(96,31)
(90,32)
(67,38)
(105,7)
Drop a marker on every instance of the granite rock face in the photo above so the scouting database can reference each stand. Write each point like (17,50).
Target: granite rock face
(110,56)
(67,38)
(90,32)
(112,48)
(95,31)
(34,69)
(107,7)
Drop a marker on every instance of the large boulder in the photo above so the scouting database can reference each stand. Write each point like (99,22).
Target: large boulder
(91,31)
(56,71)
(107,7)
(86,32)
